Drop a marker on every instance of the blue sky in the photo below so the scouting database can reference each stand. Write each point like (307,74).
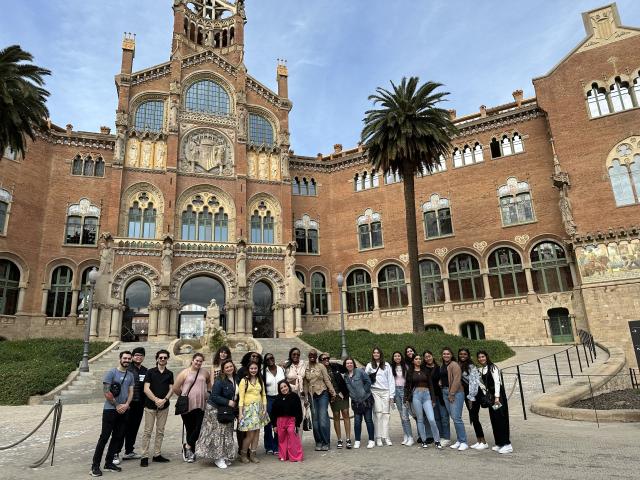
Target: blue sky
(338,51)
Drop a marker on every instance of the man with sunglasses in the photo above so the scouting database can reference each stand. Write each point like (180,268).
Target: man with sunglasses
(158,388)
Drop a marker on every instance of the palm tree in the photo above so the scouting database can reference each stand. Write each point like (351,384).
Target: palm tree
(407,135)
(22,99)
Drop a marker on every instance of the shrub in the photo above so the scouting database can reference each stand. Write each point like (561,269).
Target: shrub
(37,366)
(360,344)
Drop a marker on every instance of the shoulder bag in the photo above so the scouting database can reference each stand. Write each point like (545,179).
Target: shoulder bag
(373,375)
(484,396)
(182,404)
(116,387)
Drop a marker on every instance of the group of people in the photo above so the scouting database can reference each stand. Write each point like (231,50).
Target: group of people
(284,400)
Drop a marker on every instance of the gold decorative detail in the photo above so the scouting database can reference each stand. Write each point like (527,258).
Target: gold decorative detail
(372,262)
(522,240)
(480,246)
(442,252)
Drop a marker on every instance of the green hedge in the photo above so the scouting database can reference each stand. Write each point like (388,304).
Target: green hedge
(360,343)
(37,366)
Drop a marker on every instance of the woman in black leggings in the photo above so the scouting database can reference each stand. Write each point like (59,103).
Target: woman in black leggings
(470,382)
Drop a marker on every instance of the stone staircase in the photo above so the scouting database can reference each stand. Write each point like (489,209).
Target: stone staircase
(280,347)
(87,386)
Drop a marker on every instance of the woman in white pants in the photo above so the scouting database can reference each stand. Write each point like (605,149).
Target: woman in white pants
(383,388)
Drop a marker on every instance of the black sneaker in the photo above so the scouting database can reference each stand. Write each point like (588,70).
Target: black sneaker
(348,444)
(425,445)
(339,444)
(185,452)
(110,467)
(161,459)
(438,446)
(419,440)
(96,472)
(429,440)
(144,462)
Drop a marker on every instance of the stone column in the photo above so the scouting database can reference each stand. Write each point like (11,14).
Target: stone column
(95,319)
(278,319)
(173,322)
(409,297)
(527,274)
(45,294)
(298,320)
(116,323)
(248,321)
(329,302)
(485,283)
(21,293)
(153,321)
(74,302)
(240,320)
(447,293)
(376,302)
(289,321)
(308,301)
(231,320)
(163,323)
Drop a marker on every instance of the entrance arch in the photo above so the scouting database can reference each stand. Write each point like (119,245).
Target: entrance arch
(135,319)
(262,320)
(196,294)
(560,325)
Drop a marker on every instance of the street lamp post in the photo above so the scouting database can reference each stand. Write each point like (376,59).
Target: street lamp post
(343,337)
(93,278)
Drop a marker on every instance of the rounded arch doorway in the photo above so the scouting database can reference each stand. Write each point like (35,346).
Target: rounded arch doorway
(262,319)
(196,295)
(135,319)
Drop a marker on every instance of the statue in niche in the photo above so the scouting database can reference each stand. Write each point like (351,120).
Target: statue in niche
(174,87)
(284,163)
(263,166)
(567,212)
(167,259)
(275,168)
(173,116)
(242,122)
(119,147)
(147,150)
(161,155)
(132,154)
(106,254)
(252,159)
(241,263)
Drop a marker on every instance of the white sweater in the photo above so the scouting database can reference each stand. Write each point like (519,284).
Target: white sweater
(384,378)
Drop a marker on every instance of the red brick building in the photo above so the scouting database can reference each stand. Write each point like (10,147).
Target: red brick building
(529,230)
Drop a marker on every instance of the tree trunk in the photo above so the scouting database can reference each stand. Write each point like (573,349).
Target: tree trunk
(417,315)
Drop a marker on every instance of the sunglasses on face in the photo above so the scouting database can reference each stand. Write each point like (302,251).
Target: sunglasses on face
(324,359)
(163,358)
(295,354)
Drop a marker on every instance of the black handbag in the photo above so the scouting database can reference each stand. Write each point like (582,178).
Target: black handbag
(373,375)
(361,407)
(182,404)
(116,387)
(225,414)
(484,396)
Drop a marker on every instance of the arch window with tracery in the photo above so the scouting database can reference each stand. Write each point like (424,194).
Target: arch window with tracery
(507,145)
(304,186)
(437,217)
(150,116)
(465,279)
(83,219)
(597,101)
(620,95)
(359,292)
(142,217)
(431,283)
(60,293)
(392,288)
(439,166)
(260,130)
(506,275)
(516,206)
(306,231)
(87,167)
(262,225)
(550,269)
(624,172)
(205,220)
(392,177)
(369,230)
(366,180)
(207,96)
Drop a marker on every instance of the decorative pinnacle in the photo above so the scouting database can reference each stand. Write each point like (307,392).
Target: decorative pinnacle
(282,68)
(129,41)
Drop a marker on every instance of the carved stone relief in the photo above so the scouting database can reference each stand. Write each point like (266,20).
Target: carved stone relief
(149,154)
(189,269)
(206,151)
(134,270)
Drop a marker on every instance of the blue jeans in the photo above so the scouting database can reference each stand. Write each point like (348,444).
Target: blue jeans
(368,419)
(455,412)
(442,421)
(320,419)
(422,406)
(270,435)
(403,411)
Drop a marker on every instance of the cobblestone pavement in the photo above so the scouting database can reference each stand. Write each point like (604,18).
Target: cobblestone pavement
(544,448)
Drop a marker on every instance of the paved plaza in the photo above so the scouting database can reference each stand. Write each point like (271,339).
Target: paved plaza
(544,448)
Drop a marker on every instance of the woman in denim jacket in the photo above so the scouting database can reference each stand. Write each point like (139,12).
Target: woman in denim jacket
(359,386)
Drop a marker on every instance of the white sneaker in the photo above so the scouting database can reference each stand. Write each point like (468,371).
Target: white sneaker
(356,444)
(455,446)
(474,446)
(410,442)
(220,463)
(404,440)
(372,444)
(445,443)
(378,442)
(116,459)
(506,449)
(463,447)
(495,448)
(482,446)
(388,442)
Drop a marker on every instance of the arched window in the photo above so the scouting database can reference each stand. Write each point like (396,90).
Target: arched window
(620,95)
(313,190)
(306,231)
(5,207)
(465,279)
(359,292)
(597,101)
(636,88)
(623,177)
(141,220)
(260,130)
(82,223)
(304,187)
(472,330)
(478,155)
(392,289)
(550,269)
(221,226)
(433,327)
(431,283)
(457,158)
(319,305)
(295,186)
(189,223)
(88,169)
(516,205)
(369,230)
(149,222)
(392,177)
(150,116)
(518,146)
(439,166)
(496,151)
(506,275)
(206,96)
(77,167)
(437,217)
(9,287)
(467,155)
(505,144)
(203,219)
(99,171)
(59,296)
(262,225)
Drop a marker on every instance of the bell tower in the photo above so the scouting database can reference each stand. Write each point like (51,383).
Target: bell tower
(201,25)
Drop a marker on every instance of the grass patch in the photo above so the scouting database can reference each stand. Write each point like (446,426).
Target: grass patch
(360,344)
(37,366)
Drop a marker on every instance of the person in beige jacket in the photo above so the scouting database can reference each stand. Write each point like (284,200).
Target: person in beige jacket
(453,394)
(318,391)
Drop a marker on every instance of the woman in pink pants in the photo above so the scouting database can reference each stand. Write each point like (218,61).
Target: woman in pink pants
(286,416)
